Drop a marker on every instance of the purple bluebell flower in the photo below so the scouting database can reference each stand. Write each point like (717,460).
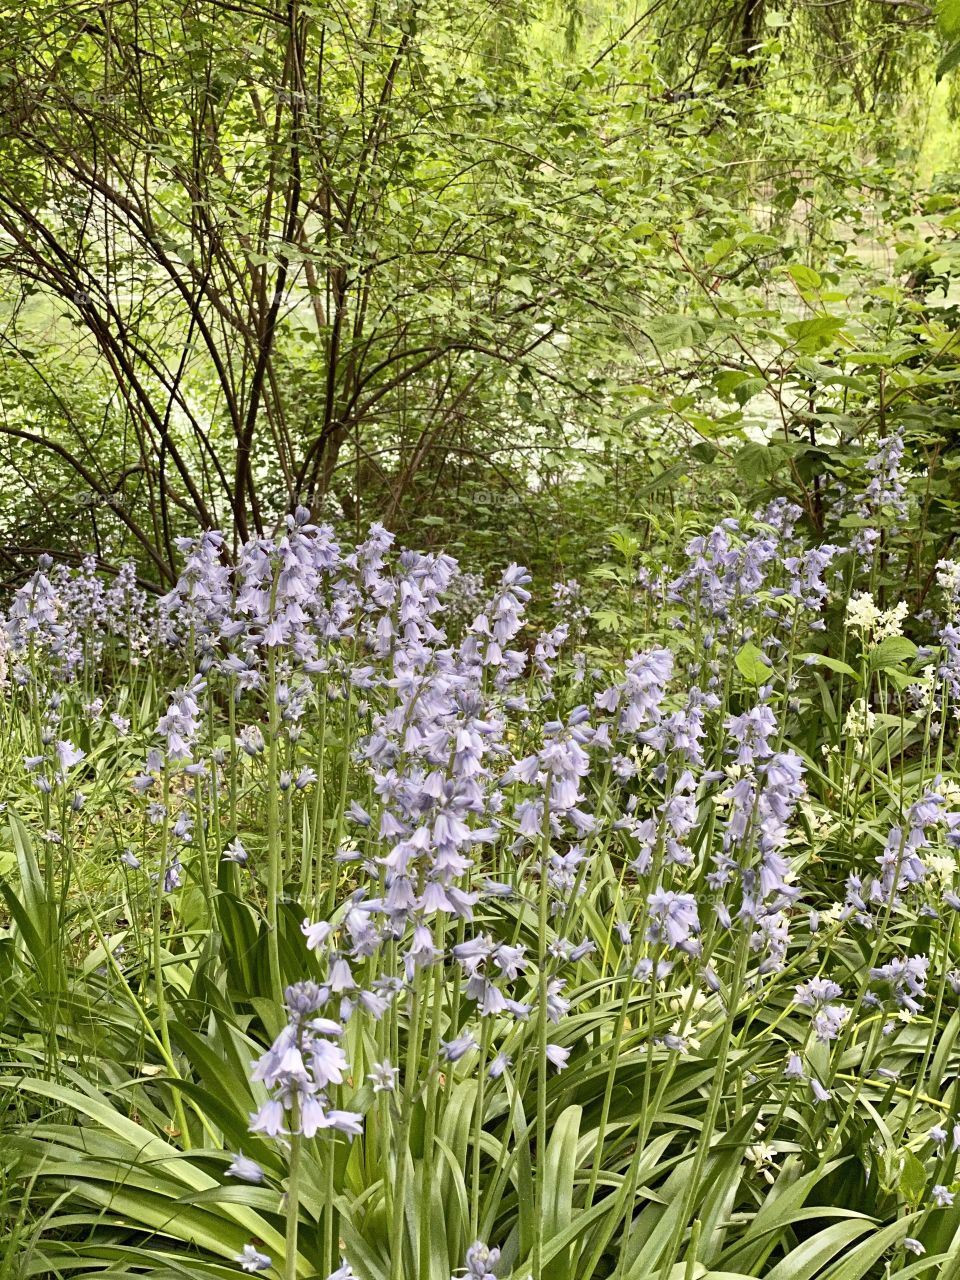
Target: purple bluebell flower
(235,852)
(828,1022)
(68,755)
(245,1169)
(343,1272)
(316,934)
(299,1066)
(454,1050)
(884,498)
(498,1065)
(906,979)
(817,992)
(251,1259)
(673,918)
(557,1056)
(480,1261)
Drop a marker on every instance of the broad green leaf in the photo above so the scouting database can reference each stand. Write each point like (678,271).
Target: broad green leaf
(891,652)
(752,664)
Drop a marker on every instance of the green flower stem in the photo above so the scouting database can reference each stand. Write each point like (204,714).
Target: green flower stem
(293,1201)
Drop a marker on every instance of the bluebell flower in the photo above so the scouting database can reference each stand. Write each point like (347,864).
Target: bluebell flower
(316,934)
(251,740)
(245,1169)
(343,1272)
(180,723)
(557,1056)
(383,1077)
(817,992)
(673,918)
(235,852)
(454,1050)
(906,979)
(498,1065)
(828,1022)
(356,813)
(252,1260)
(299,1066)
(68,755)
(479,1262)
(794,1068)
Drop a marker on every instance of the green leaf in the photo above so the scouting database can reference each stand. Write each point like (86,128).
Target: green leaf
(719,250)
(704,451)
(811,335)
(892,651)
(752,665)
(759,462)
(668,333)
(949,60)
(808,1258)
(831,664)
(559,1172)
(948,16)
(858,1263)
(739,384)
(521,284)
(805,277)
(913,1179)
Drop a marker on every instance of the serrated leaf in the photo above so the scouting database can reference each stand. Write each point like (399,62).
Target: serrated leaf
(668,333)
(758,462)
(892,651)
(810,335)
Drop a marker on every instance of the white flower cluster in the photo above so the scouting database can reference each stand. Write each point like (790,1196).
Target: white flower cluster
(860,719)
(873,623)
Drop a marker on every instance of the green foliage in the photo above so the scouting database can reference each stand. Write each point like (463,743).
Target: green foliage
(556,284)
(442,271)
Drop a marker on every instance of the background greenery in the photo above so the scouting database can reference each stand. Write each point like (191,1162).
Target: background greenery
(501,276)
(567,284)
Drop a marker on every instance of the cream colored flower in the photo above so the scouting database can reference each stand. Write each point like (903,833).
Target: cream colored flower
(860,720)
(862,614)
(874,624)
(891,622)
(760,1154)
